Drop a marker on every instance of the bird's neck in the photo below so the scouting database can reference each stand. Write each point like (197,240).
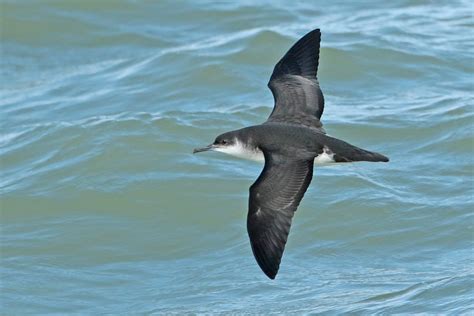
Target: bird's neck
(245,149)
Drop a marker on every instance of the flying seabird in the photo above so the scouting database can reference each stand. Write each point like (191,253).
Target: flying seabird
(290,142)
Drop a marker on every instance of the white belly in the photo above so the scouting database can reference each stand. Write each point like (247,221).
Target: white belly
(240,151)
(327,156)
(323,159)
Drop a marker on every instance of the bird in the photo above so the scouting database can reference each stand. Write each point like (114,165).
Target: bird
(290,142)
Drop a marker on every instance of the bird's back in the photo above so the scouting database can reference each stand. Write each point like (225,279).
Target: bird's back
(304,143)
(285,138)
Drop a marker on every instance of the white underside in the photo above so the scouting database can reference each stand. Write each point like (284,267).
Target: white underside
(327,156)
(240,151)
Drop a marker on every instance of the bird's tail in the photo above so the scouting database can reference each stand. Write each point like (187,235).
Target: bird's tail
(360,154)
(344,152)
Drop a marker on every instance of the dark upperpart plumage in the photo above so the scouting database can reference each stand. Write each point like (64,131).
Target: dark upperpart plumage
(295,87)
(291,141)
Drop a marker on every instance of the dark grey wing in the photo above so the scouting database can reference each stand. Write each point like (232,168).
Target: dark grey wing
(273,200)
(298,97)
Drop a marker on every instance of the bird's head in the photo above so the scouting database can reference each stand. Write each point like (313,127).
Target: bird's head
(223,143)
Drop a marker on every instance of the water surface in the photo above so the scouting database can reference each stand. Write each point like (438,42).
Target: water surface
(105,210)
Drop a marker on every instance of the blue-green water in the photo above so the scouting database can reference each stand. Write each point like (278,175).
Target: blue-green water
(105,209)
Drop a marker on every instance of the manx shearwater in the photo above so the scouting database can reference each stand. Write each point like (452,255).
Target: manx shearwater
(290,142)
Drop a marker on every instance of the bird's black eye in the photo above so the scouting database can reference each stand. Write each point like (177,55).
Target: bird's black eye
(224,142)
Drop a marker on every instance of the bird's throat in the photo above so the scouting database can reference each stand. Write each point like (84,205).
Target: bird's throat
(239,150)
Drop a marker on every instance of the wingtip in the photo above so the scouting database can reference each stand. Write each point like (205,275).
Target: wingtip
(315,31)
(271,274)
(313,35)
(302,58)
(269,267)
(270,270)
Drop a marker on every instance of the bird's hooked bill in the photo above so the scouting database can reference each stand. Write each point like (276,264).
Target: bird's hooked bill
(198,150)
